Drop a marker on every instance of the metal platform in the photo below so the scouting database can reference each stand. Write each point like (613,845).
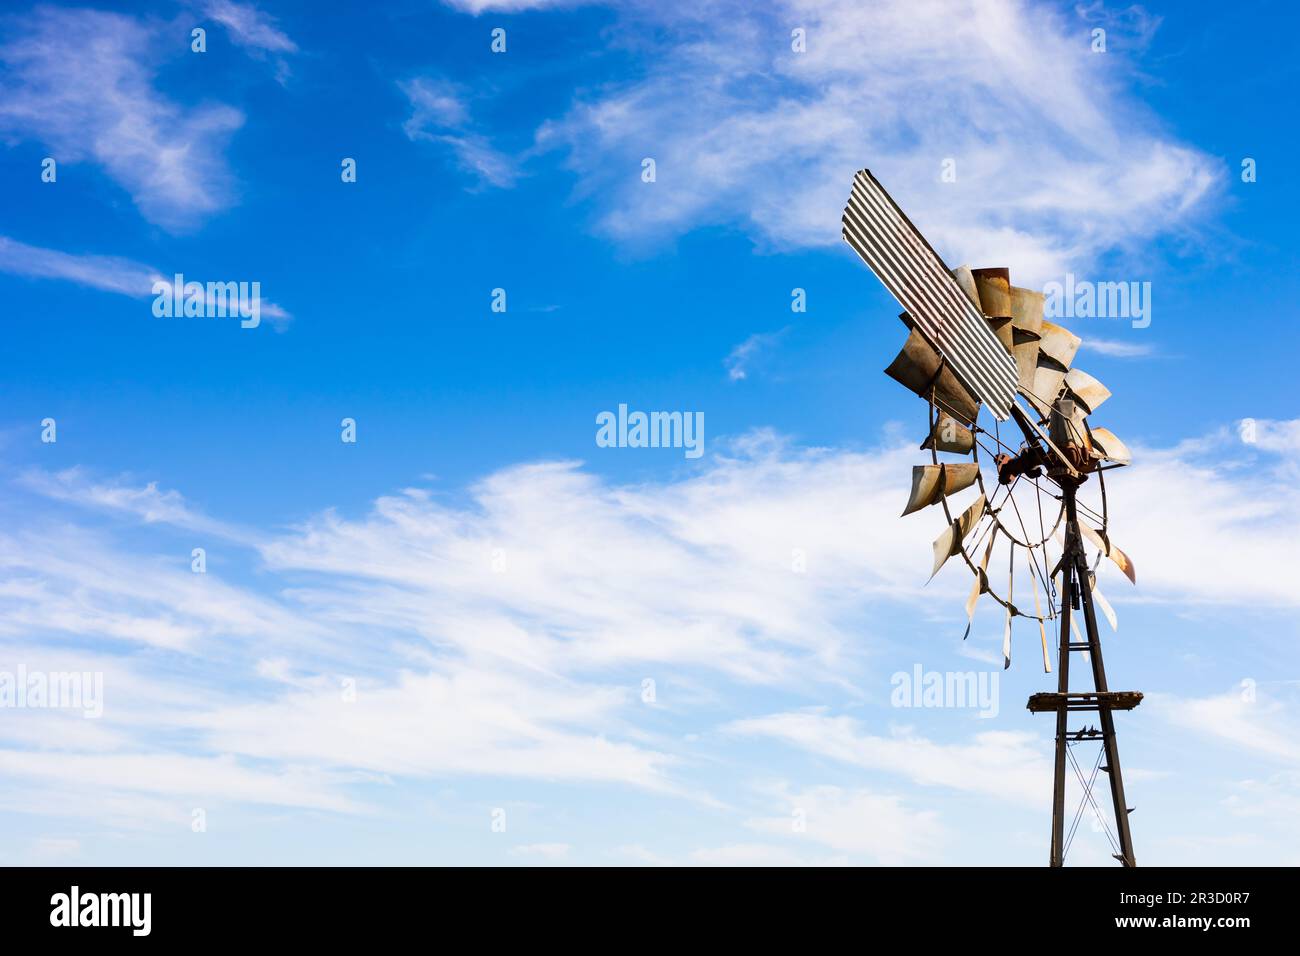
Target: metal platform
(1089,700)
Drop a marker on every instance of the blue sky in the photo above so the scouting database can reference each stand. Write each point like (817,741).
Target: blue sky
(496,585)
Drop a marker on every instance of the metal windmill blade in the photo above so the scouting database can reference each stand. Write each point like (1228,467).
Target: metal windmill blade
(975,339)
(932,482)
(1026,333)
(1057,346)
(920,368)
(1109,447)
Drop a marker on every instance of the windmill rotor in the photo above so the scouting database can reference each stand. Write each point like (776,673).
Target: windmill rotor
(976,341)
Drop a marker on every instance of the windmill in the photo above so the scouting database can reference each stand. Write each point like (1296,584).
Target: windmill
(974,340)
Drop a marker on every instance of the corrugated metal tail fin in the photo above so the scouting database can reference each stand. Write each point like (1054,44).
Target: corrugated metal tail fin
(914,274)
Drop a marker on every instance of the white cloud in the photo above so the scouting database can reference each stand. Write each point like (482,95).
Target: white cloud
(77,81)
(1280,437)
(453,720)
(147,502)
(552,852)
(754,854)
(739,360)
(256,32)
(249,26)
(56,848)
(61,581)
(694,572)
(433,102)
(1054,163)
(1132,26)
(879,826)
(508,6)
(198,778)
(1117,349)
(1249,722)
(997,763)
(1275,798)
(106,273)
(527,672)
(440,115)
(1251,727)
(506,636)
(1201,528)
(640,854)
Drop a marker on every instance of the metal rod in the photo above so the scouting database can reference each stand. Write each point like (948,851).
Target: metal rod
(1063,687)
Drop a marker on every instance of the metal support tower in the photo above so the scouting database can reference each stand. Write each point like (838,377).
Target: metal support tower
(1076,594)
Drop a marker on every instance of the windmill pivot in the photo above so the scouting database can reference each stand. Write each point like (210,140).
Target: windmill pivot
(1029,463)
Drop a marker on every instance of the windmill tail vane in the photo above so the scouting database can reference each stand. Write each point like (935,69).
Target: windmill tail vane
(974,339)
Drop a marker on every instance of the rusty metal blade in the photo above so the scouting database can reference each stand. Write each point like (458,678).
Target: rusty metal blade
(1086,389)
(994,289)
(1027,310)
(967,282)
(1106,609)
(948,434)
(1001,326)
(1058,343)
(1110,550)
(1038,610)
(919,368)
(1049,379)
(887,241)
(1025,350)
(1110,447)
(1011,610)
(981,582)
(949,543)
(932,482)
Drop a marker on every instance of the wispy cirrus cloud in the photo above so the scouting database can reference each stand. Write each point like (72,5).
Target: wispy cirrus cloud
(440,114)
(506,636)
(1054,161)
(255,31)
(106,273)
(250,27)
(503,639)
(148,502)
(740,360)
(509,6)
(551,852)
(1250,721)
(80,82)
(881,827)
(1117,349)
(993,762)
(1195,506)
